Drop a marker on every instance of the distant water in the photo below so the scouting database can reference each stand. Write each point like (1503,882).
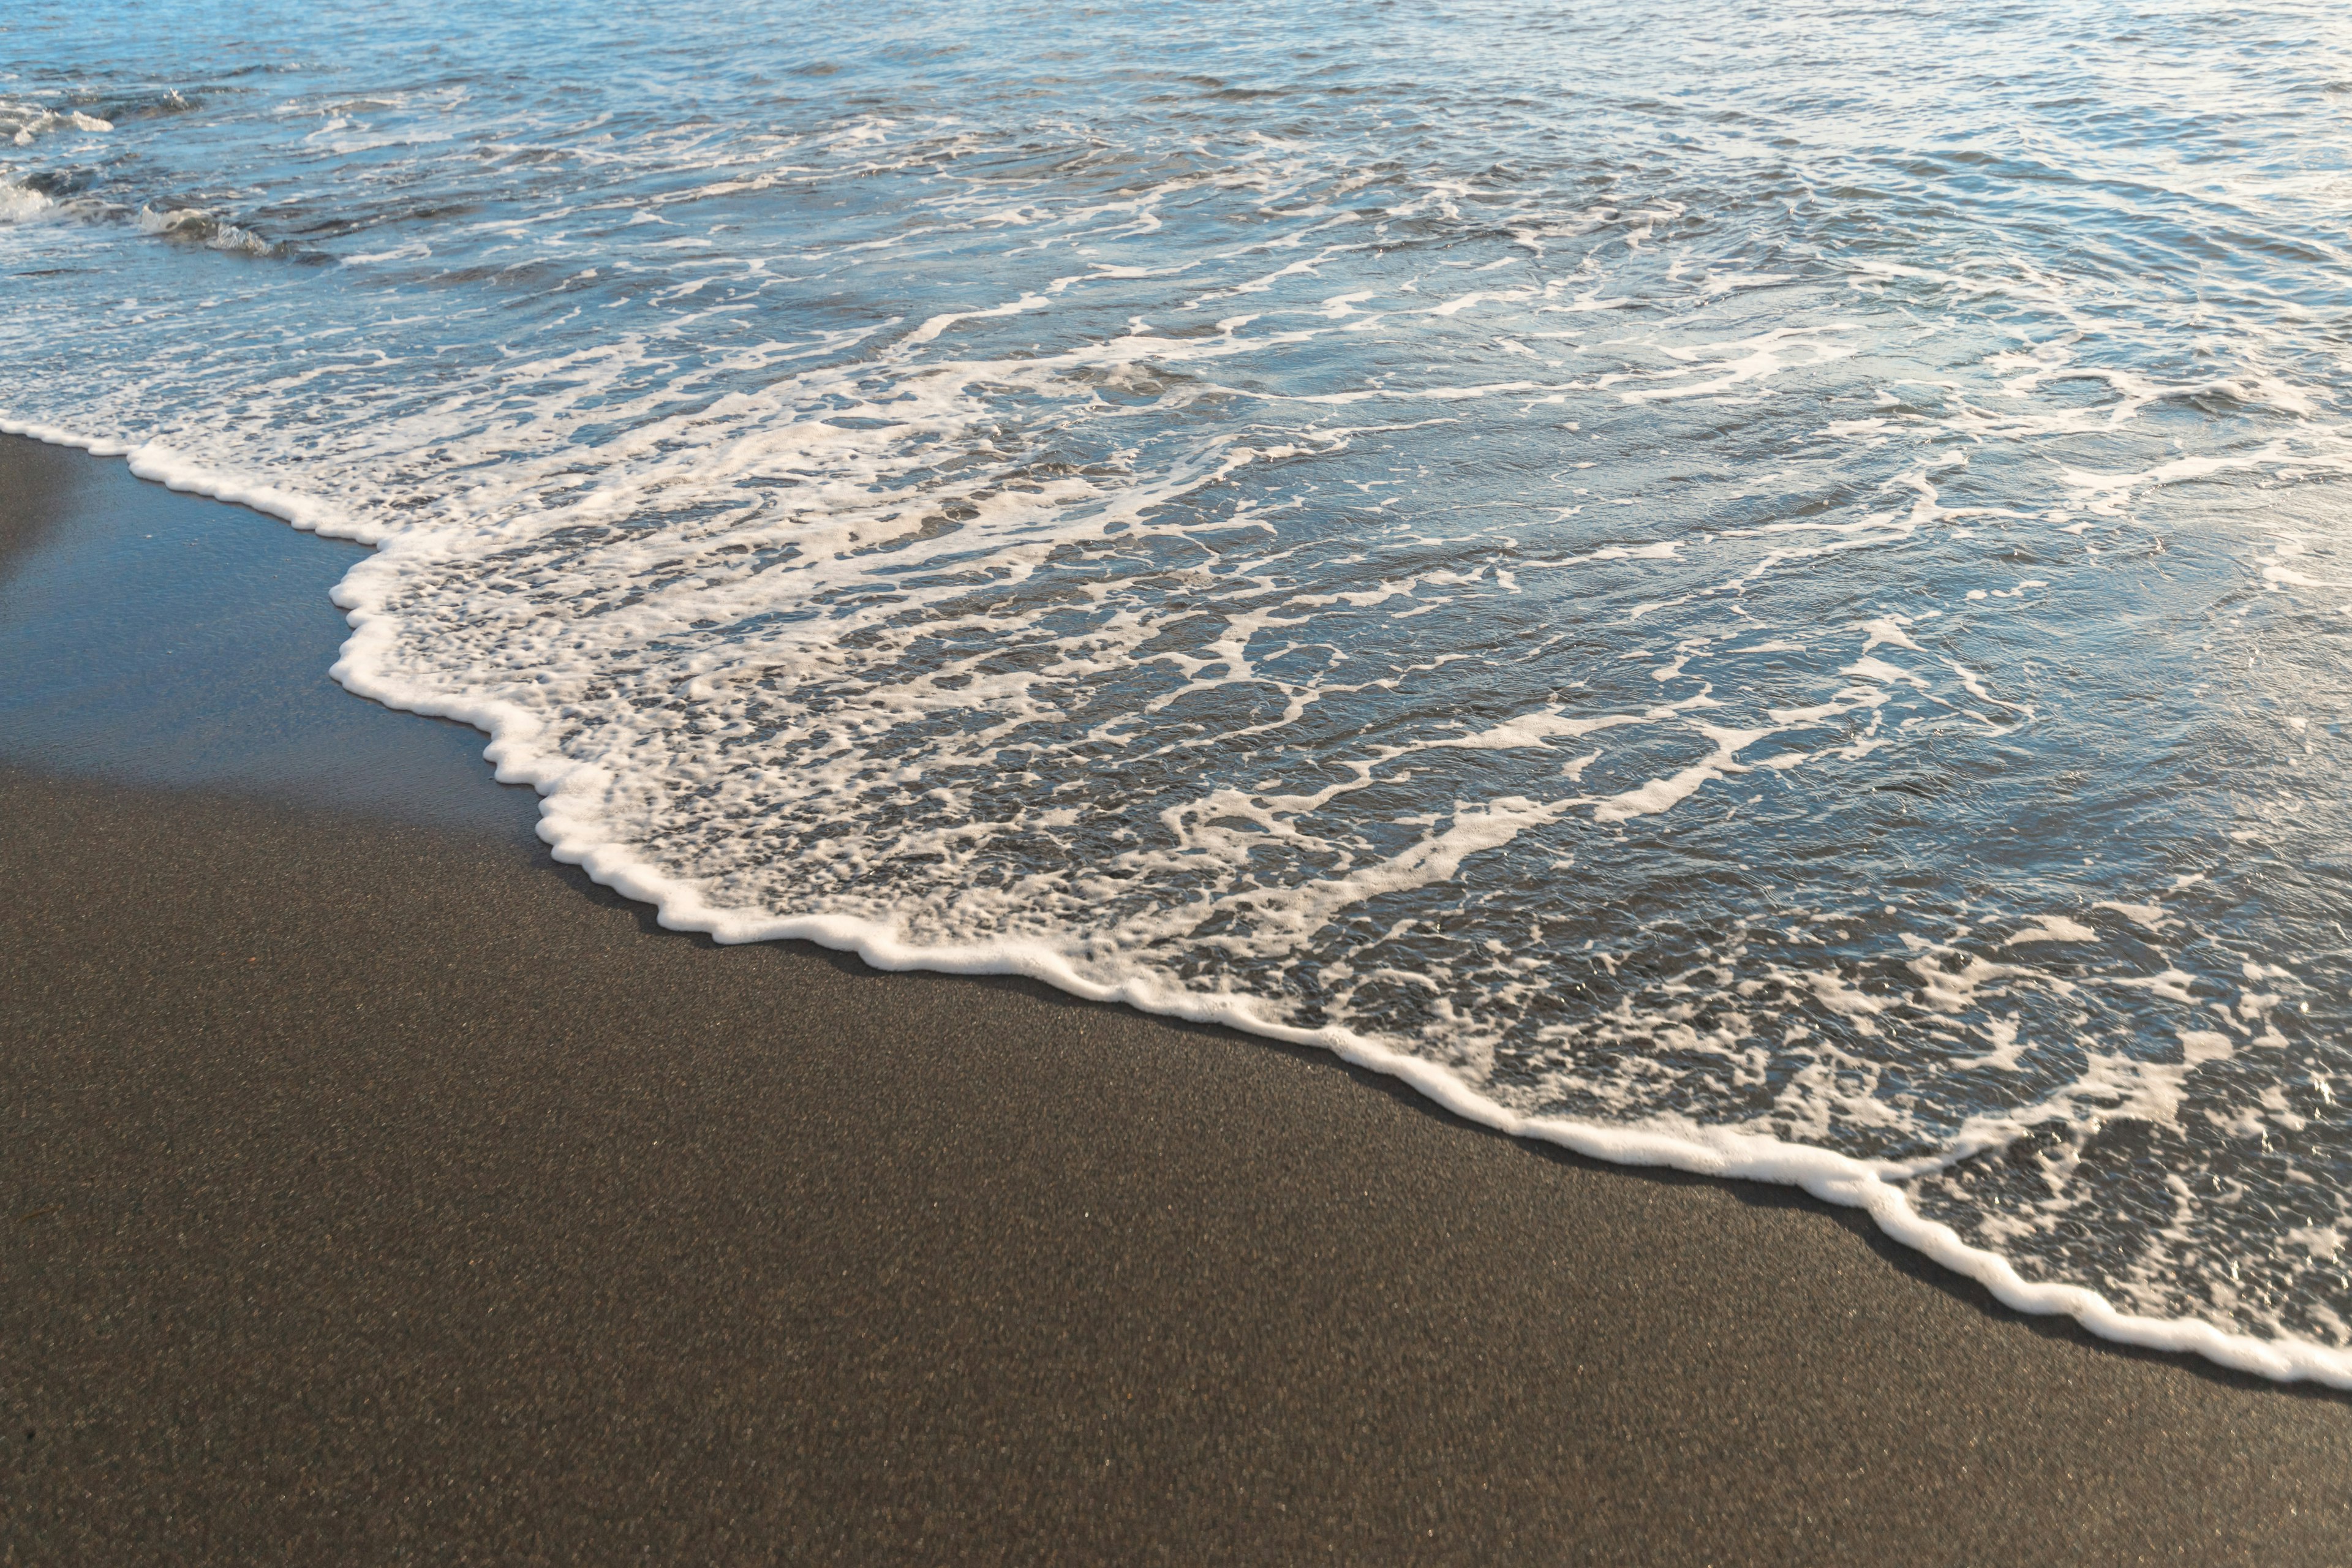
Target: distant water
(1764,587)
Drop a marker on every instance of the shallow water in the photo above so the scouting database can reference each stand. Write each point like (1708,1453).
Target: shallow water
(1764,588)
(157,639)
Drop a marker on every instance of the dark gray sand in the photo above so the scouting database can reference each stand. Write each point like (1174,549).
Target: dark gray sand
(383,1192)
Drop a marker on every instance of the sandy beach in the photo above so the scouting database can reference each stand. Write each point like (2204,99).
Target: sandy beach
(381,1191)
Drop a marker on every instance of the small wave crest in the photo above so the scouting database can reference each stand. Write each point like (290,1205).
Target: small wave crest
(21,203)
(196,226)
(23,124)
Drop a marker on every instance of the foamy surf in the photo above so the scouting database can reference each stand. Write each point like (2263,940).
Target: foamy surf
(1617,652)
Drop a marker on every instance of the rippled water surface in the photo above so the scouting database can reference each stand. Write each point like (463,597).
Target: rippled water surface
(1716,581)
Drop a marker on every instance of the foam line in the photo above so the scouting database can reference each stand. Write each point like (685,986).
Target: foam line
(1700,1151)
(151,461)
(572,829)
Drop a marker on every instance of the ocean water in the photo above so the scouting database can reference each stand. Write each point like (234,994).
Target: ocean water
(1766,588)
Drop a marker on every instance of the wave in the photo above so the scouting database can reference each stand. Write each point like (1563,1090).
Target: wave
(577,838)
(1807,660)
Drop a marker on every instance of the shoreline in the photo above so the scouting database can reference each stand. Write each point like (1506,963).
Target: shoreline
(1710,1152)
(364,1114)
(165,638)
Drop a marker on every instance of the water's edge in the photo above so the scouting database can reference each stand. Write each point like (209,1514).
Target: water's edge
(1687,1147)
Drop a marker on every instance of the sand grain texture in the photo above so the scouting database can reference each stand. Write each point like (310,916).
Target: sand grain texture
(381,1195)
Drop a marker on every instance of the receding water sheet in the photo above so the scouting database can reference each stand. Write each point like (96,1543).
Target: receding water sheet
(1768,591)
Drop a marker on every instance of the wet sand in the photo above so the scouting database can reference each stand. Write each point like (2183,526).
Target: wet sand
(378,1190)
(165,639)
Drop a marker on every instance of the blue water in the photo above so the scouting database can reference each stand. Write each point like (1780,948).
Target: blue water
(1762,587)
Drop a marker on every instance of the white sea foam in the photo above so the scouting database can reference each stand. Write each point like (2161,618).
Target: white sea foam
(19,204)
(583,838)
(23,124)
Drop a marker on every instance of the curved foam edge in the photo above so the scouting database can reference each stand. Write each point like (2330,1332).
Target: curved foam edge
(1701,1150)
(151,461)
